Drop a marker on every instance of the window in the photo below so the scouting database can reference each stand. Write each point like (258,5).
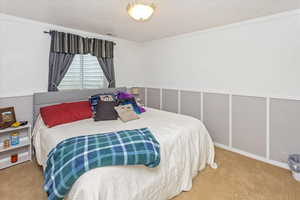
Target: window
(84,73)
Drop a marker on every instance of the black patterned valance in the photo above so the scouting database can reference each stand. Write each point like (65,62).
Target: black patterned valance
(74,44)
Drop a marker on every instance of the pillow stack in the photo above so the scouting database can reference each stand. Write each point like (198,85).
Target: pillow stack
(101,107)
(110,106)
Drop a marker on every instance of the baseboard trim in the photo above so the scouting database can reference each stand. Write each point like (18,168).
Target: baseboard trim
(253,156)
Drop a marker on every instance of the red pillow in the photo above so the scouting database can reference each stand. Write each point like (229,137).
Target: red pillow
(65,113)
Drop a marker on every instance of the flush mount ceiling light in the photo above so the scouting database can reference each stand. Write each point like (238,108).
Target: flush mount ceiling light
(140,11)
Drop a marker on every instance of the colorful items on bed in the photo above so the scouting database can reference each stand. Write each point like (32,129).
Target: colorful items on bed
(70,159)
(127,98)
(65,113)
(106,110)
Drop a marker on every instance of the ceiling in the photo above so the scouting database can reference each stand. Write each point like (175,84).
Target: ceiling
(172,17)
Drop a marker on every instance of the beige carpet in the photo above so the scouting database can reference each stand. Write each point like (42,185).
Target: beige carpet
(236,178)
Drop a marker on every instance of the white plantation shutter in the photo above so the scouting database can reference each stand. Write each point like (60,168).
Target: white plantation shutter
(84,73)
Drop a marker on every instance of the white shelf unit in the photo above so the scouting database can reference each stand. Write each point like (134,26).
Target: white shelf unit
(23,149)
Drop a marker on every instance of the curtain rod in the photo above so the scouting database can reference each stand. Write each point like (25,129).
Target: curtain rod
(47,32)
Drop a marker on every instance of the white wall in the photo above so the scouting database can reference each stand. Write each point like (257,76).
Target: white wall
(257,57)
(24,50)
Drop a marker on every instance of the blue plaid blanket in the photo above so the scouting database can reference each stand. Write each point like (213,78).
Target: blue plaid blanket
(75,156)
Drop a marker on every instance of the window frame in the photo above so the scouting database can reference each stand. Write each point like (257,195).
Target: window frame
(82,77)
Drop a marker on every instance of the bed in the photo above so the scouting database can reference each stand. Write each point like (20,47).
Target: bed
(186,148)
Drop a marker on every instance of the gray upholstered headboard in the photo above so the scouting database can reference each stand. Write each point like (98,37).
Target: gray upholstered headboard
(50,98)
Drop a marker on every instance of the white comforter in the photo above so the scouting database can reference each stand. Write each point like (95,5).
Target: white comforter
(186,148)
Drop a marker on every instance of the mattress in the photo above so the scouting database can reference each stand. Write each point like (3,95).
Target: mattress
(186,148)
